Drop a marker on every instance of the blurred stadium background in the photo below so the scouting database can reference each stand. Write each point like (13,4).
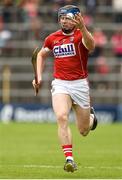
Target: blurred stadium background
(26,151)
(24,24)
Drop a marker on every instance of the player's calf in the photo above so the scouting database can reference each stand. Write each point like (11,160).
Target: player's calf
(85,128)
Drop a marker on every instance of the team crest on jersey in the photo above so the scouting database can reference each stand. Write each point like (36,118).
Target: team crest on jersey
(65,50)
(71,39)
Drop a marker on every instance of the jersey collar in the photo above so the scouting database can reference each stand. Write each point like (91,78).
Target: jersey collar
(68,34)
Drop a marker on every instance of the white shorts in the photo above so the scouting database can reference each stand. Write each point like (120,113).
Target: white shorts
(77,89)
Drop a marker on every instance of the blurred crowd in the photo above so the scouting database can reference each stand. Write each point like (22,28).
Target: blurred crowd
(30,14)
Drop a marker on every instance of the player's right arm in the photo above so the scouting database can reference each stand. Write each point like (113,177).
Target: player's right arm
(41,57)
(43,53)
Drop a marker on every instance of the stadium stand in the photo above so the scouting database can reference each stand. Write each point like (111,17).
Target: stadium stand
(25,24)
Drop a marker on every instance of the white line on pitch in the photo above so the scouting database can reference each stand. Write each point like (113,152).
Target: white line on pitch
(58,167)
(86,167)
(62,179)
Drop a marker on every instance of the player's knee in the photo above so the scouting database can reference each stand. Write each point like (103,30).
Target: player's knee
(62,118)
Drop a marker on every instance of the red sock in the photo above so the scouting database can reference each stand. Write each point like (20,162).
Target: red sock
(67,149)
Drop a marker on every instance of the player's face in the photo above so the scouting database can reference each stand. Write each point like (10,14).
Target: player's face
(66,23)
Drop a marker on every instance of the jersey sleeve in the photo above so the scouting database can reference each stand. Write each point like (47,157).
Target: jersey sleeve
(48,43)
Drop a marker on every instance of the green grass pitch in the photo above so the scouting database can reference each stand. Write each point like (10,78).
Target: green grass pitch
(32,151)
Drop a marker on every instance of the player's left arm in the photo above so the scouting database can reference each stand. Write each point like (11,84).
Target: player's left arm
(87,38)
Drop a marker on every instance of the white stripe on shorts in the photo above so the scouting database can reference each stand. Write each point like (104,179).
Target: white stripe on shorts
(77,89)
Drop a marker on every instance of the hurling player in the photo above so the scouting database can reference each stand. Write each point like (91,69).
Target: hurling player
(71,46)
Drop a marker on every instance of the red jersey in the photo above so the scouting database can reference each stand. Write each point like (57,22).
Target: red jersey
(70,55)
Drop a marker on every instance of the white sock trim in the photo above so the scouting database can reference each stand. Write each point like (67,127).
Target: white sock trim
(91,120)
(69,157)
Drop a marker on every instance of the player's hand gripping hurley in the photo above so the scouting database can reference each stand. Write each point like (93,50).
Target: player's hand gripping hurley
(34,63)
